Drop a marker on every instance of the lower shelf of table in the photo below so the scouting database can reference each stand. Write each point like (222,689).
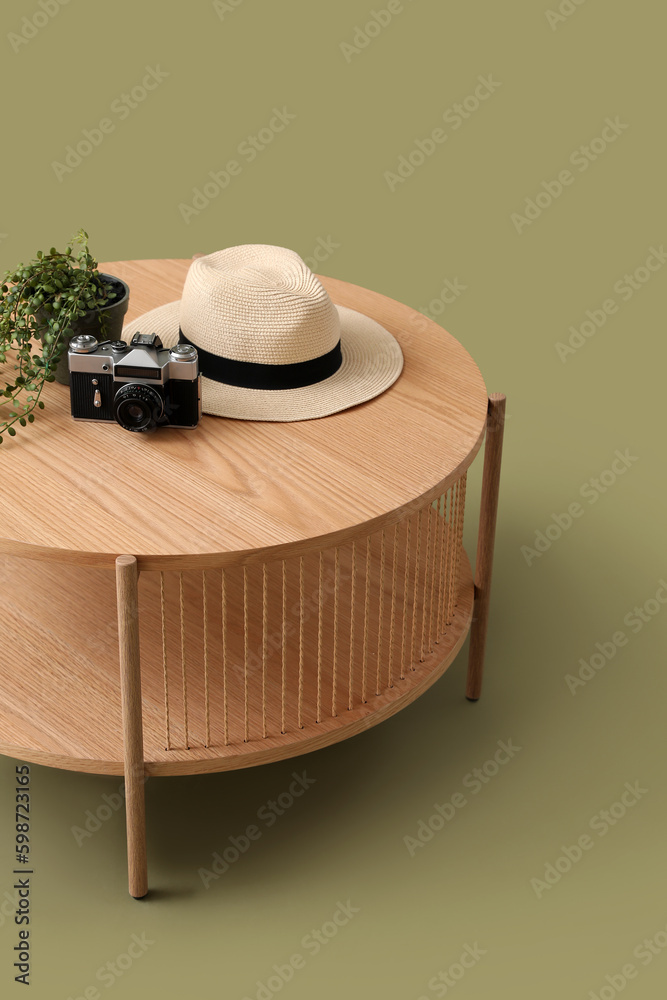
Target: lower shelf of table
(60,704)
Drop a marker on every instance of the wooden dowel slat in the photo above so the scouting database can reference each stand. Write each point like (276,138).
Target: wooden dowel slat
(165,672)
(353,597)
(493,450)
(440,556)
(406,584)
(334,652)
(225,692)
(413,630)
(265,629)
(427,564)
(184,675)
(320,623)
(246,705)
(207,700)
(378,669)
(301,646)
(127,595)
(367,599)
(392,613)
(283,650)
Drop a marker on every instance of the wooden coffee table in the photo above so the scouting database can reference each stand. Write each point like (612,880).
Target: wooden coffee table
(195,601)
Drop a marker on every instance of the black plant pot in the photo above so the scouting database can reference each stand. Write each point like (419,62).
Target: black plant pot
(105,323)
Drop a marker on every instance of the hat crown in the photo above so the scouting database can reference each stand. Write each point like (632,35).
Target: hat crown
(258,303)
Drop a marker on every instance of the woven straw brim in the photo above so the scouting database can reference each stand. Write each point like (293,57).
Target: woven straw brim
(372,361)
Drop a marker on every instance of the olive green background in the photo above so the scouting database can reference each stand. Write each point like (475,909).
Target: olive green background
(323,178)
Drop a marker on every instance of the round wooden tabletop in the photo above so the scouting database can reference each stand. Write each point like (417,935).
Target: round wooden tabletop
(230,490)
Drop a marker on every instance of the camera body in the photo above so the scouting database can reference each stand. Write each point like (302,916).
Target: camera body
(140,385)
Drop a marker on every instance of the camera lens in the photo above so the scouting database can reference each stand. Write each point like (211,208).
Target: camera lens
(134,413)
(137,407)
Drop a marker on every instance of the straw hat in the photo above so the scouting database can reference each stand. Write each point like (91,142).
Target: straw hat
(272,345)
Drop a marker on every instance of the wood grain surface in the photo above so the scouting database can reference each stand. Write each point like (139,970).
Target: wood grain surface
(236,491)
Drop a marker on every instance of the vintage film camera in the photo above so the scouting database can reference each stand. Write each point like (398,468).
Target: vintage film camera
(140,385)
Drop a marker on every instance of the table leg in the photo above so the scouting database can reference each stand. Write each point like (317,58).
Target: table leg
(493,449)
(130,685)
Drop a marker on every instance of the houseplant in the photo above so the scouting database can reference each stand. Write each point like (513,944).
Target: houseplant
(43,304)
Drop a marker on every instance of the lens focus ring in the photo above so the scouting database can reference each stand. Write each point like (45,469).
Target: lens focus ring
(137,407)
